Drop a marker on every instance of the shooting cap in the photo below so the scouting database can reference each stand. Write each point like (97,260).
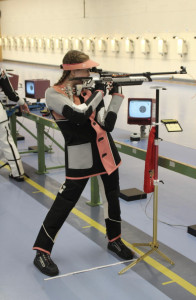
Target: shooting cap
(79,66)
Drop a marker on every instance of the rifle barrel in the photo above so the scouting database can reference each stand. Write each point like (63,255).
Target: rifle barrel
(127,79)
(147,74)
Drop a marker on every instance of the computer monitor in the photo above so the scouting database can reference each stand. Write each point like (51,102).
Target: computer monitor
(139,111)
(35,88)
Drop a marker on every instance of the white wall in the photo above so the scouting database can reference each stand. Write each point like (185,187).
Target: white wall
(135,19)
(107,19)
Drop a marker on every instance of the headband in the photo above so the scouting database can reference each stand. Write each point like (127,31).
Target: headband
(78,66)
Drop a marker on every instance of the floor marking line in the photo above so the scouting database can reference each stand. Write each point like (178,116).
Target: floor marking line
(40,188)
(88,270)
(88,226)
(168,282)
(6,166)
(156,265)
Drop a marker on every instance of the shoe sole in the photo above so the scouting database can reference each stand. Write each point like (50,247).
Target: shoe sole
(18,179)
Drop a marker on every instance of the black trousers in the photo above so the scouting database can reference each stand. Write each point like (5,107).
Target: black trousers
(67,198)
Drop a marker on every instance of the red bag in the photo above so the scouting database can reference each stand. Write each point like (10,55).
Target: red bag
(150,163)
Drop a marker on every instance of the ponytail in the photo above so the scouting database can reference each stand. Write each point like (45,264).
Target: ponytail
(63,77)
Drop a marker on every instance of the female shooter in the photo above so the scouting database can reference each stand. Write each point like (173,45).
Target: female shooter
(89,151)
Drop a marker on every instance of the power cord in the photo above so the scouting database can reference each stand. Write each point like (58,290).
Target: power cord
(163,222)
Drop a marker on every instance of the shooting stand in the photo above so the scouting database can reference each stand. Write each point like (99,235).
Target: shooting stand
(154,245)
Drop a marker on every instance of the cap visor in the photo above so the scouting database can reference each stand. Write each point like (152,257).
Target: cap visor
(85,65)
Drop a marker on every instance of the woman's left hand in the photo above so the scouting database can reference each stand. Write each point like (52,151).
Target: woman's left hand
(25,108)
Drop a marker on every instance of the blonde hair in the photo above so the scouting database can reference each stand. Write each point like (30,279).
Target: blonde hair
(72,57)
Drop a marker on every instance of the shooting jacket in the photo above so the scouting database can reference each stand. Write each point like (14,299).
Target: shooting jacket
(85,125)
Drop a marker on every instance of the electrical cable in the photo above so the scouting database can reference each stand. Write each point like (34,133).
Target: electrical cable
(163,222)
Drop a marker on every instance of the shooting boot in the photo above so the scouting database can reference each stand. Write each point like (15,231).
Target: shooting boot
(120,249)
(45,264)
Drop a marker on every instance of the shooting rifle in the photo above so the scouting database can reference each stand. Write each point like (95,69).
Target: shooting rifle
(118,79)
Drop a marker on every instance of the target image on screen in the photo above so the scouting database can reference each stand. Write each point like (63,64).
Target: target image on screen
(30,88)
(139,111)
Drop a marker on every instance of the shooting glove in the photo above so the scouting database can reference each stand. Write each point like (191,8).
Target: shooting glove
(100,86)
(115,89)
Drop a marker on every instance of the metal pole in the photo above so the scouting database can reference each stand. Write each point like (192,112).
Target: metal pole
(154,245)
(155,195)
(40,149)
(95,198)
(12,119)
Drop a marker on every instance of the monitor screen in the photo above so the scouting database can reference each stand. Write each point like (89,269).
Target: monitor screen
(30,88)
(139,111)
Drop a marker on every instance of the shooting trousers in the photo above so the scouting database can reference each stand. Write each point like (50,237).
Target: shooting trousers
(67,198)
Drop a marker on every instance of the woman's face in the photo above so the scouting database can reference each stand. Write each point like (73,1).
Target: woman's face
(81,73)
